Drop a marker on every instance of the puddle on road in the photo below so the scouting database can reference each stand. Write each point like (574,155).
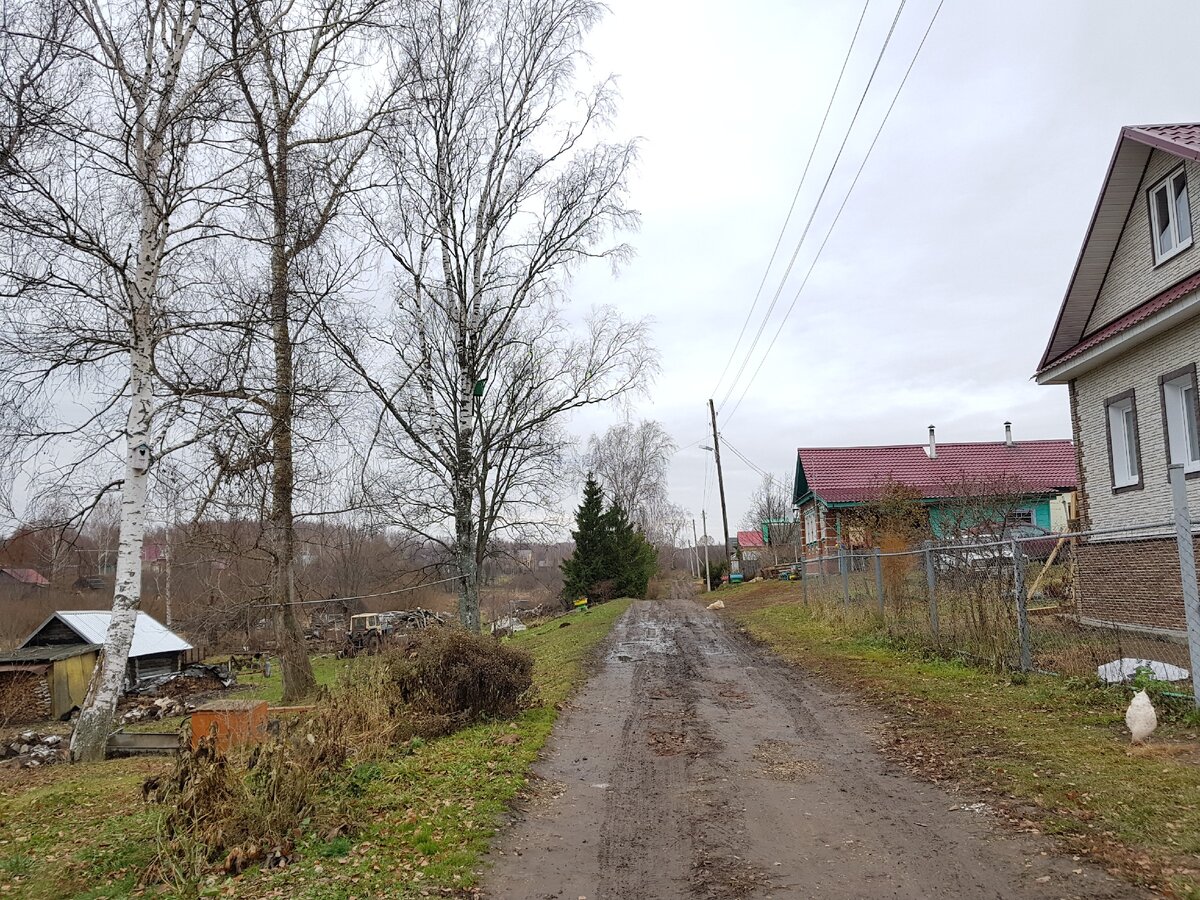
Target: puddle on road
(647,639)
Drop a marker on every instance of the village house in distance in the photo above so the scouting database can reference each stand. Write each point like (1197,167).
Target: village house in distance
(832,482)
(1126,344)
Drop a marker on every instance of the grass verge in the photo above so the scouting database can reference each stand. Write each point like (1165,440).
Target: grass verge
(1053,753)
(422,819)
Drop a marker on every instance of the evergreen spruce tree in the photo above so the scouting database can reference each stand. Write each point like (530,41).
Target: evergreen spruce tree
(633,559)
(590,562)
(612,558)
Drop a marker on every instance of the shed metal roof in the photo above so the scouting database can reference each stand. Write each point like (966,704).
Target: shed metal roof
(52,653)
(25,576)
(149,635)
(750,539)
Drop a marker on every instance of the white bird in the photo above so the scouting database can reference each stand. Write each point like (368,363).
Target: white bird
(1140,717)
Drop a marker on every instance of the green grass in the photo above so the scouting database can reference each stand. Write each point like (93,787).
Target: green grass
(1052,750)
(76,831)
(433,812)
(254,686)
(423,819)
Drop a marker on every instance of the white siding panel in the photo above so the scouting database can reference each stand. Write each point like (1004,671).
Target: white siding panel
(1132,277)
(1139,369)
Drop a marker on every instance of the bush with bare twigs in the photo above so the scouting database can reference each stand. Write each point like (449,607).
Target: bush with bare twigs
(249,805)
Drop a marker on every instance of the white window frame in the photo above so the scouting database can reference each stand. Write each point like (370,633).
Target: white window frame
(1180,420)
(1178,245)
(1123,442)
(812,529)
(1023,516)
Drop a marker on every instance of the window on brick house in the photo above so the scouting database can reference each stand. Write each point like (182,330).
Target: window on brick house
(1123,441)
(1170,216)
(810,525)
(1180,418)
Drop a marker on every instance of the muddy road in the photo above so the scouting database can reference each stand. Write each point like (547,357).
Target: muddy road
(696,765)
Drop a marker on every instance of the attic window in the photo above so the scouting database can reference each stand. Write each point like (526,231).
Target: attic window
(1170,216)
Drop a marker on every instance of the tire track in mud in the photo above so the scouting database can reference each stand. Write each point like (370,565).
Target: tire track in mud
(695,764)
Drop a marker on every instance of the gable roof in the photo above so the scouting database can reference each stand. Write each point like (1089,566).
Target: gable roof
(1125,172)
(25,576)
(149,635)
(750,539)
(857,474)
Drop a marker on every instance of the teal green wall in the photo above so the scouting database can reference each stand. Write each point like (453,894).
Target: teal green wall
(939,515)
(1041,514)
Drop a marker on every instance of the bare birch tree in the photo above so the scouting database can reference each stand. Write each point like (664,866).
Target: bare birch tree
(101,203)
(771,512)
(297,65)
(496,190)
(631,462)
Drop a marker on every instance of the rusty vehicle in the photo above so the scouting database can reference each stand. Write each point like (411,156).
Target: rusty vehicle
(373,632)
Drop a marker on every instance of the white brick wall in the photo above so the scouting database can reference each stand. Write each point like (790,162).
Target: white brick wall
(1133,277)
(1138,369)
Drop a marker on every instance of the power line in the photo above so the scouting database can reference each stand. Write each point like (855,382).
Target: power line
(742,456)
(796,196)
(407,590)
(816,206)
(841,208)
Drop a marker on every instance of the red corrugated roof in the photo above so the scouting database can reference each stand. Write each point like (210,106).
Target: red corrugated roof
(1138,314)
(853,474)
(25,576)
(750,539)
(1182,138)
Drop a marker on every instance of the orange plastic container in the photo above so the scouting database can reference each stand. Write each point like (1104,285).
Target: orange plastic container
(238,722)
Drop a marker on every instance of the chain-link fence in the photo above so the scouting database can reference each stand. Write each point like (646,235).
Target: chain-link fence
(1098,603)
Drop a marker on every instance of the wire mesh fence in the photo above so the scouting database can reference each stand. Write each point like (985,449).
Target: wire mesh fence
(1087,604)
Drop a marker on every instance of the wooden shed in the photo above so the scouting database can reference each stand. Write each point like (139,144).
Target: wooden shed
(156,649)
(40,683)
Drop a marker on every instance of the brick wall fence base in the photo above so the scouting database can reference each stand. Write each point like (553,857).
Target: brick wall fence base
(1131,583)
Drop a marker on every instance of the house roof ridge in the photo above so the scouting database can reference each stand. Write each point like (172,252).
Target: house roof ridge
(940,444)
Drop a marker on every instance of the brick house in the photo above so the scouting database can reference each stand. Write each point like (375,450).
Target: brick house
(1038,478)
(1126,344)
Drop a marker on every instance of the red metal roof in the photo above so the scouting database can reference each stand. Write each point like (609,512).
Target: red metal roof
(855,474)
(25,576)
(750,539)
(1182,139)
(1138,314)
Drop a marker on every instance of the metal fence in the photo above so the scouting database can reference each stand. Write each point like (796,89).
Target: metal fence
(1088,603)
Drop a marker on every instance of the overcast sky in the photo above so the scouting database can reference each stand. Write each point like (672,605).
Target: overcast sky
(933,300)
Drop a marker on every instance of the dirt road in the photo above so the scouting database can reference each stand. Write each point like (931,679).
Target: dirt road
(696,765)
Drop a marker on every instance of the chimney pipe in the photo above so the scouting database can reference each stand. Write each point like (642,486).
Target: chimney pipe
(1008,434)
(932,444)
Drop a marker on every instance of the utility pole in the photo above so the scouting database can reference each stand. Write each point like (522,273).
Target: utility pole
(734,561)
(695,558)
(704,519)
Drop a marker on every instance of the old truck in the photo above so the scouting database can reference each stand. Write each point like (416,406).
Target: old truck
(372,632)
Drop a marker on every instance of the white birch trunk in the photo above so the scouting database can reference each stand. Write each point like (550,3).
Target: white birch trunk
(90,737)
(464,519)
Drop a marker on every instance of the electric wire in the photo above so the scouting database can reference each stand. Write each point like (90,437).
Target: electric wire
(841,208)
(796,196)
(742,456)
(406,590)
(816,207)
